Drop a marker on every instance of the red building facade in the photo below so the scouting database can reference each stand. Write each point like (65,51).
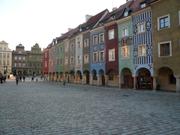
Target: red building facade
(111,41)
(45,61)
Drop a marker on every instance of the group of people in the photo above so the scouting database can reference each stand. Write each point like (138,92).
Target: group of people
(20,78)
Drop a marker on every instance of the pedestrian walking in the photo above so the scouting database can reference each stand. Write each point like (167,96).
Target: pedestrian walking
(64,82)
(17,79)
(24,78)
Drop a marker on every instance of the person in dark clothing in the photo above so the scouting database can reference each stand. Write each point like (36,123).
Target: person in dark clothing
(24,78)
(17,79)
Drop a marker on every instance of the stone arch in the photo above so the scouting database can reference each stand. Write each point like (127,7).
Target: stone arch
(94,74)
(144,79)
(166,79)
(87,76)
(101,77)
(126,78)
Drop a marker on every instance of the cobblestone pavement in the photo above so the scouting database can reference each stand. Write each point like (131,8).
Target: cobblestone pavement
(39,108)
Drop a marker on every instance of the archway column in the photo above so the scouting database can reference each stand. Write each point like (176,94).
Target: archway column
(134,82)
(91,79)
(177,84)
(120,81)
(154,82)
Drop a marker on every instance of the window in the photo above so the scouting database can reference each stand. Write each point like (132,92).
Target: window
(86,59)
(66,61)
(78,59)
(8,62)
(112,55)
(125,32)
(8,55)
(15,64)
(101,38)
(19,57)
(141,50)
(86,43)
(101,56)
(72,60)
(141,27)
(78,43)
(165,49)
(163,22)
(111,34)
(125,52)
(95,40)
(143,5)
(95,57)
(126,13)
(66,48)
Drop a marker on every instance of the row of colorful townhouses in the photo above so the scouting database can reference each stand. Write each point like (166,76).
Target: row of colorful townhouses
(134,46)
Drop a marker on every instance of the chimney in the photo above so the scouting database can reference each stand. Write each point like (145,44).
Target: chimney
(88,17)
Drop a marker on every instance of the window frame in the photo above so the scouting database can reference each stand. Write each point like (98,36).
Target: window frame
(170,48)
(111,55)
(125,32)
(161,17)
(142,52)
(101,38)
(103,58)
(127,51)
(95,60)
(141,29)
(111,34)
(95,39)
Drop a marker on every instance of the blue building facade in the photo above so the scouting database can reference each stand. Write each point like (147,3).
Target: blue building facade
(97,56)
(142,48)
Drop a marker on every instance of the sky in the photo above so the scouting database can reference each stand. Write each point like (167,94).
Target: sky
(39,21)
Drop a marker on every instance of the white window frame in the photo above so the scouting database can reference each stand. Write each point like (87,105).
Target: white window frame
(158,21)
(125,32)
(95,60)
(86,58)
(95,39)
(71,60)
(101,38)
(141,27)
(170,47)
(66,61)
(111,54)
(100,56)
(86,43)
(111,34)
(126,13)
(142,52)
(126,53)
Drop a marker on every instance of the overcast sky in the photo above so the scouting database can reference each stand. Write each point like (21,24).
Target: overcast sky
(39,21)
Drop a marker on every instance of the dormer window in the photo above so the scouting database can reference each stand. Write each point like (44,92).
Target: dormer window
(143,5)
(126,13)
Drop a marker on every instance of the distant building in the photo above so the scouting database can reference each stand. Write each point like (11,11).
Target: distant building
(5,58)
(27,62)
(34,60)
(19,60)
